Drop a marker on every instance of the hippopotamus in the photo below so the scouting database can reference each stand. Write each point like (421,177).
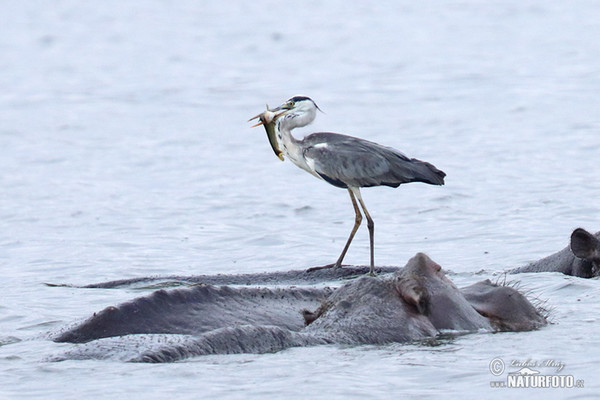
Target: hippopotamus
(413,303)
(581,258)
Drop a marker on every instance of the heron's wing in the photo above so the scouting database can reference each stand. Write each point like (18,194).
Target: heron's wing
(348,161)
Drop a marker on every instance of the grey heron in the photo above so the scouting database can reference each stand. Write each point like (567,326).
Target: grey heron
(344,161)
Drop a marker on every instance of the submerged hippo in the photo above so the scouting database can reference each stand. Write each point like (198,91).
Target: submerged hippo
(414,303)
(581,258)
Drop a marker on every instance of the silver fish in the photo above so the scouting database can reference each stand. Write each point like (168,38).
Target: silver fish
(267,118)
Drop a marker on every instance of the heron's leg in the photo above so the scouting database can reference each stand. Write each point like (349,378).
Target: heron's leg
(370,225)
(357,221)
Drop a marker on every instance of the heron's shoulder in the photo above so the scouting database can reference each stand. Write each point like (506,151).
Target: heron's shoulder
(320,139)
(325,137)
(339,142)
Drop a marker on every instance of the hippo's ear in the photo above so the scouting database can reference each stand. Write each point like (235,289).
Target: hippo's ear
(583,244)
(413,292)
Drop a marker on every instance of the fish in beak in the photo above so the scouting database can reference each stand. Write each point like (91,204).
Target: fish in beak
(268,118)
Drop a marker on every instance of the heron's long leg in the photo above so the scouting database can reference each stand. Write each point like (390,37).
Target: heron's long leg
(370,225)
(357,221)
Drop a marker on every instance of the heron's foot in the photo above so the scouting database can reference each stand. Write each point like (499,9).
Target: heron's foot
(372,271)
(334,265)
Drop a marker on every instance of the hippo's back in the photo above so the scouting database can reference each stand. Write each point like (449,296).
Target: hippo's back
(557,262)
(562,261)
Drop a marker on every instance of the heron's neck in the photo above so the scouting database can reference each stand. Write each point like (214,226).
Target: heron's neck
(291,146)
(289,143)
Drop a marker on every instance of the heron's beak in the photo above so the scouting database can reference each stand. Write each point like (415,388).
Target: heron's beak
(257,124)
(260,122)
(266,117)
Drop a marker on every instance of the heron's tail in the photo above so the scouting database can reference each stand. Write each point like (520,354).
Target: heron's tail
(405,170)
(427,173)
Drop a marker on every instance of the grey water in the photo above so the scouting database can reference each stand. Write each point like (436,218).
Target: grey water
(125,152)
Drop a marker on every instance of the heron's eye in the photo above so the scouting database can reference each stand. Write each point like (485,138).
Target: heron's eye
(290,104)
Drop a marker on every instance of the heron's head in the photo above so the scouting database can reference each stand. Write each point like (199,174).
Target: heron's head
(296,112)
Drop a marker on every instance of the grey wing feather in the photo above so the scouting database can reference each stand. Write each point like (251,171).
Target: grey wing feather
(348,161)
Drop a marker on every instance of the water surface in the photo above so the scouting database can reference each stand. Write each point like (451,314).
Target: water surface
(125,152)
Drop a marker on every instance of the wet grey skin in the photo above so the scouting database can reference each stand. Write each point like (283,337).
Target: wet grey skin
(343,161)
(414,303)
(581,258)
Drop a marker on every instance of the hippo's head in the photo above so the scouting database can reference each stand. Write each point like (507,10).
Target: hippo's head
(417,302)
(412,281)
(423,284)
(586,247)
(414,303)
